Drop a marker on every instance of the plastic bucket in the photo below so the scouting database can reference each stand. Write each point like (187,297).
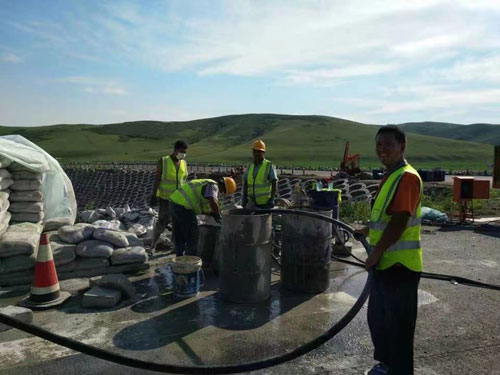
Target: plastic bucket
(186,270)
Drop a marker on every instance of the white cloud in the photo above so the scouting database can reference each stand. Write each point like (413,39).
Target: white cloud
(486,69)
(10,58)
(96,85)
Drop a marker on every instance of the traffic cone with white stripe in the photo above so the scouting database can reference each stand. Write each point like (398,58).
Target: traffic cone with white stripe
(45,291)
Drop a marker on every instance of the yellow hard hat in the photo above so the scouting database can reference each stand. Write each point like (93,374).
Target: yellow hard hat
(230,185)
(259,145)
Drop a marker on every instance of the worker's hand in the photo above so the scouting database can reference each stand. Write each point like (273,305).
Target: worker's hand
(153,201)
(361,231)
(373,259)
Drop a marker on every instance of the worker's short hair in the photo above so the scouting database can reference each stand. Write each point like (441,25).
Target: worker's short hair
(180,144)
(399,134)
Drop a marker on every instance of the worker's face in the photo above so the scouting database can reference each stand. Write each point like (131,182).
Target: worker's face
(180,153)
(258,156)
(388,149)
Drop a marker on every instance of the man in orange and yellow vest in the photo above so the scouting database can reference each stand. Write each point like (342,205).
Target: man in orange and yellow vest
(171,174)
(260,181)
(396,260)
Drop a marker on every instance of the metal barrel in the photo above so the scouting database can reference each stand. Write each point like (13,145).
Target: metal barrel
(305,252)
(245,260)
(207,240)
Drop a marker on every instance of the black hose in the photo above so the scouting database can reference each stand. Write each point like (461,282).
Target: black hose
(226,369)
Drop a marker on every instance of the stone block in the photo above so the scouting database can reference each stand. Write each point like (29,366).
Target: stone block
(99,297)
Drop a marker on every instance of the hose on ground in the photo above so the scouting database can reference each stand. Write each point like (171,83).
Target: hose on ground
(216,369)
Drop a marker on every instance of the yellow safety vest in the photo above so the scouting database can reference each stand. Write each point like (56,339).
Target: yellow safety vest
(190,196)
(259,188)
(171,177)
(407,250)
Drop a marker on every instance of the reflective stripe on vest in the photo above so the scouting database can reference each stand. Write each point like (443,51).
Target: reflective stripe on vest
(190,196)
(259,189)
(171,177)
(407,250)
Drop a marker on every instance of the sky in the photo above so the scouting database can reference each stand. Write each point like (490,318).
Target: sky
(377,61)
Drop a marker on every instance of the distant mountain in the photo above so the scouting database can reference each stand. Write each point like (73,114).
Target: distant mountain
(291,140)
(484,133)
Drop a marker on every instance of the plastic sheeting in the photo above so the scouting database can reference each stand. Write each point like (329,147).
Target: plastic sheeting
(58,191)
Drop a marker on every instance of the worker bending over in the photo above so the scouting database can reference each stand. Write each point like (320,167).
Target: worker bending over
(260,181)
(171,174)
(394,233)
(194,198)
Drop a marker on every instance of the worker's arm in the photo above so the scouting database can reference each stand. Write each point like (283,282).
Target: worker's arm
(214,206)
(391,235)
(156,182)
(274,188)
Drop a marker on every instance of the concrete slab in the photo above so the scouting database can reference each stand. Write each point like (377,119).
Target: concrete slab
(457,327)
(99,297)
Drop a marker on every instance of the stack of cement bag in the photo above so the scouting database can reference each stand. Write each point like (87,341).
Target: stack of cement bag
(18,251)
(5,183)
(26,197)
(84,250)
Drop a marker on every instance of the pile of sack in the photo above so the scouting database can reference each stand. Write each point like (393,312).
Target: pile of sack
(84,250)
(18,251)
(26,197)
(5,184)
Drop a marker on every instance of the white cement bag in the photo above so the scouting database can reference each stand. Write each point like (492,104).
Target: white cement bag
(16,167)
(25,175)
(24,185)
(111,224)
(5,174)
(26,196)
(4,206)
(19,243)
(90,263)
(6,183)
(26,227)
(56,223)
(30,217)
(94,249)
(18,263)
(4,163)
(129,255)
(76,233)
(63,253)
(26,207)
(113,237)
(137,229)
(4,223)
(133,240)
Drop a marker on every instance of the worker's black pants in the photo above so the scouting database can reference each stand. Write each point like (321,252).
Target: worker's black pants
(392,314)
(184,230)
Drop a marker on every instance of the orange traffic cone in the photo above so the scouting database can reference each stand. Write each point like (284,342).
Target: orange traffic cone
(45,292)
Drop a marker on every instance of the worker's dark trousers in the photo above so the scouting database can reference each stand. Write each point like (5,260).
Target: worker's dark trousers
(392,314)
(184,230)
(163,219)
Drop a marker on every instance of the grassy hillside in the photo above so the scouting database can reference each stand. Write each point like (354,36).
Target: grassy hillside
(291,140)
(484,133)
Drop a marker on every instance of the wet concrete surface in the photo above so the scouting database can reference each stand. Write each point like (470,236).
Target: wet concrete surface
(458,328)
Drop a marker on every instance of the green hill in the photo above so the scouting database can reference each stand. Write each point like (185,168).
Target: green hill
(484,133)
(291,140)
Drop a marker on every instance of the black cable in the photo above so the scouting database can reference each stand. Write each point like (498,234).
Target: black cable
(226,369)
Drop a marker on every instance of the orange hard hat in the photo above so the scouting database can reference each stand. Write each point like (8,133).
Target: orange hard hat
(259,145)
(230,185)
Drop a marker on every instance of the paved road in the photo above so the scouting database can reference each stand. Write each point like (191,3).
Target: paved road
(457,327)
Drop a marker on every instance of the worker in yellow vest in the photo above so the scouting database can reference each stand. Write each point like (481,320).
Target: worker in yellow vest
(171,174)
(394,235)
(194,198)
(260,181)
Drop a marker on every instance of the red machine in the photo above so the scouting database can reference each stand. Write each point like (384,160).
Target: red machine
(465,189)
(350,163)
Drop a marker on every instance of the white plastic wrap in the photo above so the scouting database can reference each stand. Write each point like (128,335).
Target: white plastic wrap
(56,186)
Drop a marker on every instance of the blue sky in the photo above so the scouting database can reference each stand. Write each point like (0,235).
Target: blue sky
(378,61)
